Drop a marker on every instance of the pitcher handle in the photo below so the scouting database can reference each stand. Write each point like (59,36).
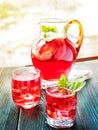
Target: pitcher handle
(79,42)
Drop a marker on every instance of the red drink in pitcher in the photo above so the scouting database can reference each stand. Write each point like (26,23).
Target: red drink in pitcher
(54,54)
(54,58)
(26,88)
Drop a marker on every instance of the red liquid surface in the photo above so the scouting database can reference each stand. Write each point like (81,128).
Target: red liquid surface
(54,58)
(60,106)
(26,91)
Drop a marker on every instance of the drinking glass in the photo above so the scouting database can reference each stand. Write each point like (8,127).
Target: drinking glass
(56,49)
(26,87)
(60,107)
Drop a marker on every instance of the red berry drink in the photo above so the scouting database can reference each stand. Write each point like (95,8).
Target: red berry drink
(54,58)
(26,87)
(60,107)
(53,53)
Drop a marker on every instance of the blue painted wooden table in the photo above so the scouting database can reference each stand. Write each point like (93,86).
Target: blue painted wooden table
(14,118)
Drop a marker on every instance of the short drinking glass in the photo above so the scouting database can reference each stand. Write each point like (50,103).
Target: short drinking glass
(60,107)
(26,87)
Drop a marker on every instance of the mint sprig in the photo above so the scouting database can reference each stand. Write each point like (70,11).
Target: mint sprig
(74,86)
(46,29)
(51,32)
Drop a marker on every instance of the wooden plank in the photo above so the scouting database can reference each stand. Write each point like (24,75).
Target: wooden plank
(87,58)
(88,110)
(8,111)
(88,98)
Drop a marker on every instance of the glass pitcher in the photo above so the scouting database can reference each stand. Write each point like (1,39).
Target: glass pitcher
(56,49)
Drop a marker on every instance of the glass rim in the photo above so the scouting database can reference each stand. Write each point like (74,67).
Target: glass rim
(52,20)
(24,69)
(62,96)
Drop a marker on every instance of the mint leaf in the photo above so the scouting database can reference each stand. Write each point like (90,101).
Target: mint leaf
(46,29)
(74,86)
(63,81)
(80,86)
(50,35)
(51,32)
